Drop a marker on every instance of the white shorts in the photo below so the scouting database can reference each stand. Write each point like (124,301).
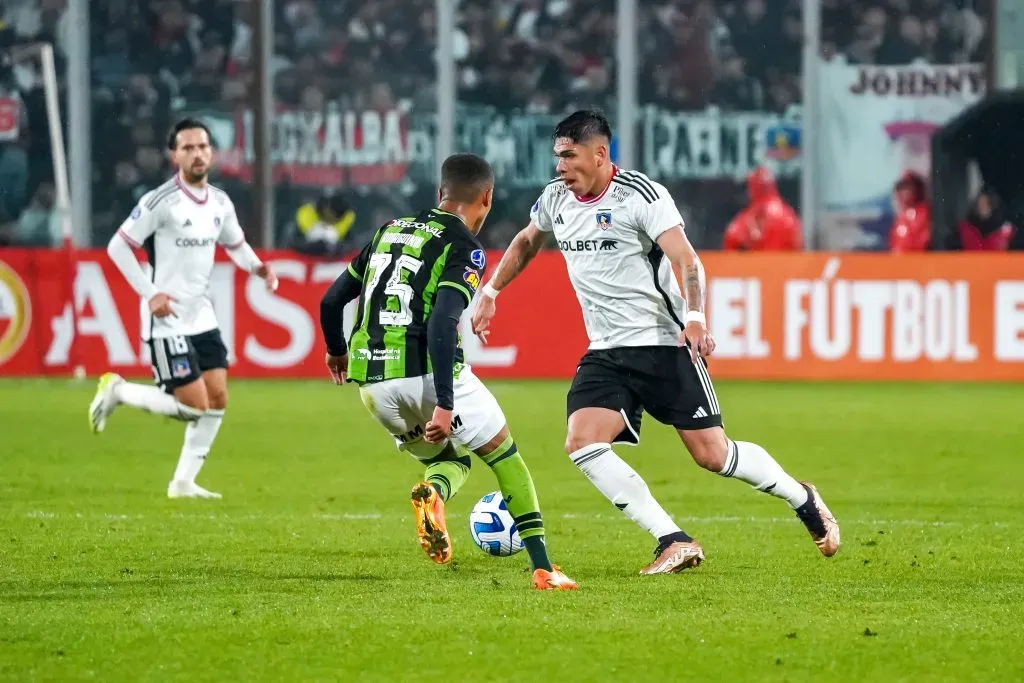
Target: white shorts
(404,406)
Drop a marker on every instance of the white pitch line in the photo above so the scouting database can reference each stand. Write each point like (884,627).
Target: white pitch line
(376,516)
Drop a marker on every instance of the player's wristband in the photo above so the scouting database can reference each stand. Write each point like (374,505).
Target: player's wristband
(490,291)
(696,317)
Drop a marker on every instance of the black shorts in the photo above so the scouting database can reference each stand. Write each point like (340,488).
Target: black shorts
(662,380)
(181,360)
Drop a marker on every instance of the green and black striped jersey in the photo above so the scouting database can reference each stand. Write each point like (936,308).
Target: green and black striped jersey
(401,270)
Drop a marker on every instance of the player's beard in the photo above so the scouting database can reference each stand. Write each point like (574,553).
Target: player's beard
(196,177)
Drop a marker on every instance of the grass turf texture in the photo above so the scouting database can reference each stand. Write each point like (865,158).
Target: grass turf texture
(309,568)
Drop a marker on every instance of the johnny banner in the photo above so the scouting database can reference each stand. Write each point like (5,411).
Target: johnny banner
(875,123)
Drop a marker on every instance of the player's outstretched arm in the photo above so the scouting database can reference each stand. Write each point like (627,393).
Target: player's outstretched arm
(520,252)
(685,260)
(332,318)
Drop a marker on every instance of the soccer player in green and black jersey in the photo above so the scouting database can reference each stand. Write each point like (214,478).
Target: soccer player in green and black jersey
(413,280)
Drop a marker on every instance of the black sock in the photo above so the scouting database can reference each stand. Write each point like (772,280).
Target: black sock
(538,552)
(668,539)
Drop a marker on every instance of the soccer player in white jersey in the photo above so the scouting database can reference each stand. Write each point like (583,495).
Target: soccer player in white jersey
(621,234)
(179,225)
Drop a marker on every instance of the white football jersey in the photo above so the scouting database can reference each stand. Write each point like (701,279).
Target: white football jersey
(623,281)
(180,227)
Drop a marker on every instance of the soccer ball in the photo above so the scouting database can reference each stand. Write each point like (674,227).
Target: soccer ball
(493,529)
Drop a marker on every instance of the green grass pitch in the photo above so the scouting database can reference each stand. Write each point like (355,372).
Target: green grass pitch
(309,569)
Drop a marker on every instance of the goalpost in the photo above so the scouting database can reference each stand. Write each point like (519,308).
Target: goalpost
(43,52)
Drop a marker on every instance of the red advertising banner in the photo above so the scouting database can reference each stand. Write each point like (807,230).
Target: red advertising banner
(328,148)
(784,316)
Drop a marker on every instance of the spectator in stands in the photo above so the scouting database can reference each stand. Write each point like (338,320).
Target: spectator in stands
(322,226)
(38,225)
(153,58)
(912,227)
(869,36)
(768,223)
(986,227)
(903,46)
(14,172)
(735,90)
(111,63)
(755,34)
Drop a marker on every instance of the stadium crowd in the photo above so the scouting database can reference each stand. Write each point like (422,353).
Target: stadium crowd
(154,59)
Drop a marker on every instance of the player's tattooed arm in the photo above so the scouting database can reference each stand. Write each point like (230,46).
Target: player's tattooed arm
(685,260)
(520,252)
(694,285)
(687,263)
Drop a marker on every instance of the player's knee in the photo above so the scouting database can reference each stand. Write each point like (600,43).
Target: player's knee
(199,404)
(709,447)
(194,396)
(589,426)
(218,399)
(575,442)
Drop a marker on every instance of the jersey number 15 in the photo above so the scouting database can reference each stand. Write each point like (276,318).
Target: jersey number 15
(394,287)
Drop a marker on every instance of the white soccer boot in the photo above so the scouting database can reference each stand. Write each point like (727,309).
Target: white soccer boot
(190,489)
(104,402)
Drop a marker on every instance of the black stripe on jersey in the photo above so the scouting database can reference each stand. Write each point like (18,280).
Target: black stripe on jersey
(375,368)
(647,196)
(161,192)
(416,348)
(655,257)
(149,246)
(554,180)
(637,178)
(417,359)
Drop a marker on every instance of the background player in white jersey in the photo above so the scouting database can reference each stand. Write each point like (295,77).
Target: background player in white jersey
(621,234)
(179,225)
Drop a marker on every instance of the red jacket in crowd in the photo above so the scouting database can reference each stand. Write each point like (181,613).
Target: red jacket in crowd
(768,223)
(912,227)
(986,227)
(973,238)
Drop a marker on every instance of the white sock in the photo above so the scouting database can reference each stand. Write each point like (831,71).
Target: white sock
(750,463)
(199,436)
(623,487)
(153,400)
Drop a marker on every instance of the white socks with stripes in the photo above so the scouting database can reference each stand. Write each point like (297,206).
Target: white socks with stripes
(750,463)
(623,487)
(200,432)
(151,399)
(199,436)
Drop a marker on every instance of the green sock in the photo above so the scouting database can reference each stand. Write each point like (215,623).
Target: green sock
(521,498)
(448,472)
